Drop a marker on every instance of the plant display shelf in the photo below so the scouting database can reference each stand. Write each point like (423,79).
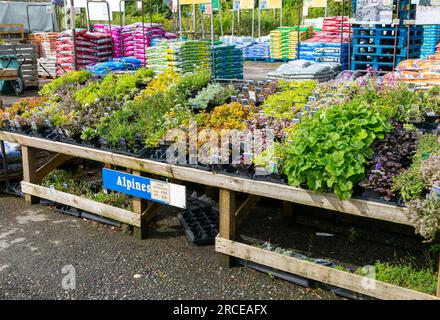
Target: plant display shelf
(229,217)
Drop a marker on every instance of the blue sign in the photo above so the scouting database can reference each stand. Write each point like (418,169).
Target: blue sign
(145,188)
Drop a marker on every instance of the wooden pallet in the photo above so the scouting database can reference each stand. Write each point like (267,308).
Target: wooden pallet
(310,270)
(26,53)
(13,32)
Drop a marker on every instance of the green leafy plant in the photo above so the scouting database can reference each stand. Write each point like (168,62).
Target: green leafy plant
(68,79)
(286,103)
(228,116)
(406,276)
(330,149)
(88,134)
(65,181)
(410,182)
(213,95)
(191,83)
(57,179)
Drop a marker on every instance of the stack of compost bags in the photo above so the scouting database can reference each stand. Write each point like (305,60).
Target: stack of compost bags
(228,62)
(134,39)
(258,50)
(115,32)
(180,56)
(431,37)
(46,46)
(91,47)
(115,65)
(284,40)
(305,70)
(325,52)
(279,43)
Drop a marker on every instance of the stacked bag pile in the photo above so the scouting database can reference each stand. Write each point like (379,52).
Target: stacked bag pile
(325,52)
(116,34)
(180,56)
(228,62)
(423,72)
(143,36)
(284,40)
(304,34)
(334,26)
(132,40)
(91,47)
(431,37)
(239,41)
(115,65)
(46,52)
(128,41)
(299,70)
(326,45)
(258,50)
(279,43)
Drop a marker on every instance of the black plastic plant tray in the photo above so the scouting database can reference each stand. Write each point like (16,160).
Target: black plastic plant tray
(304,282)
(71,211)
(200,222)
(348,294)
(68,210)
(274,178)
(375,197)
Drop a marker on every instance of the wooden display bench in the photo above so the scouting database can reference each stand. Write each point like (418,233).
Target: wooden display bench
(229,216)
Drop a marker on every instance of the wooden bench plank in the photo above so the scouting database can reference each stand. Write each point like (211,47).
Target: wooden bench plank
(363,208)
(314,271)
(88,205)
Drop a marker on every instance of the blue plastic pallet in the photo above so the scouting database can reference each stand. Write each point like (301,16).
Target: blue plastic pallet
(385,51)
(382,58)
(385,30)
(380,66)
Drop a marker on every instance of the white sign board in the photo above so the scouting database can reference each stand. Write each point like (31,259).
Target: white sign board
(428,12)
(98,11)
(114,5)
(374,11)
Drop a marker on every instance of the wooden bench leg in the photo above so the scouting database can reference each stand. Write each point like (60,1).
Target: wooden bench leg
(139,207)
(29,170)
(147,210)
(227,222)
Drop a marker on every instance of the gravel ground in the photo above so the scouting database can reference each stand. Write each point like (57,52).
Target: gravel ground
(36,243)
(258,70)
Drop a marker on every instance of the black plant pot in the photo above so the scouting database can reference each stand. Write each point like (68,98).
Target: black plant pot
(431,119)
